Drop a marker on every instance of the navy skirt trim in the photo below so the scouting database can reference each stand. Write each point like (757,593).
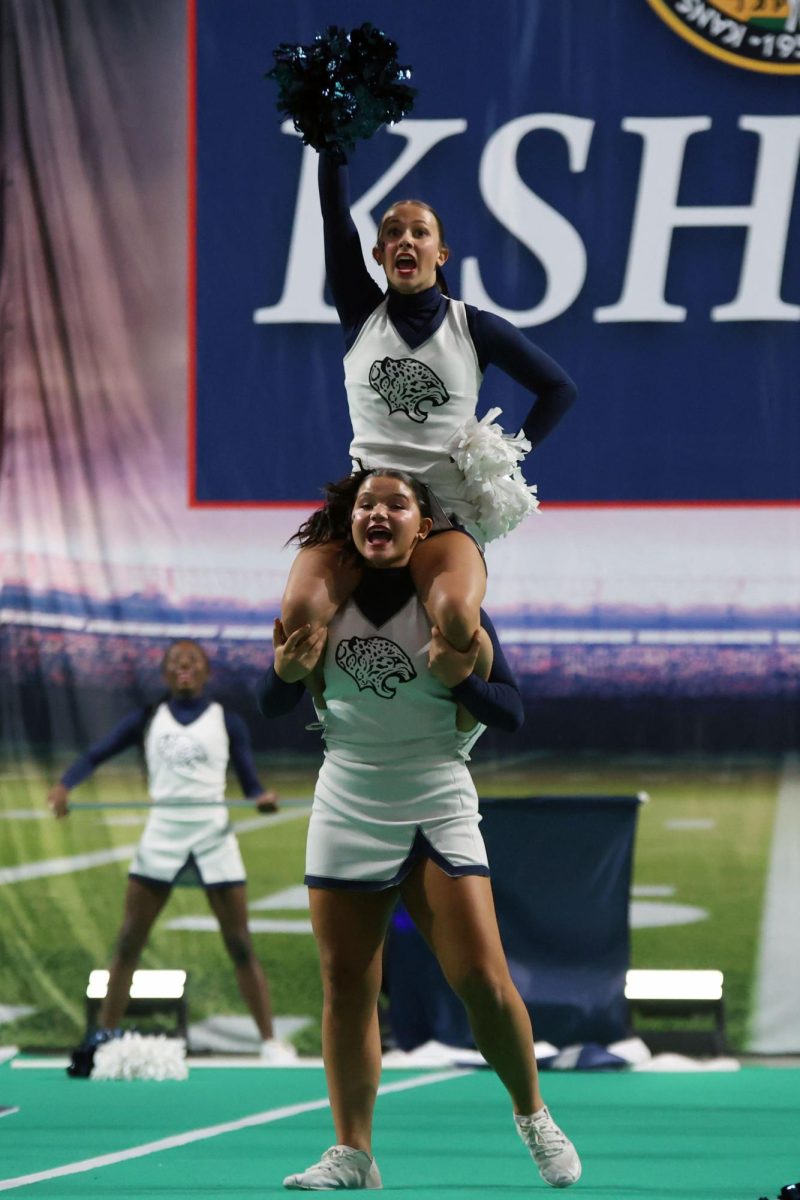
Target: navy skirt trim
(156,883)
(187,876)
(420,848)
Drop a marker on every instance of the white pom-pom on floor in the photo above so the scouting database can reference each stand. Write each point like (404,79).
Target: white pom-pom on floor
(139,1056)
(489,459)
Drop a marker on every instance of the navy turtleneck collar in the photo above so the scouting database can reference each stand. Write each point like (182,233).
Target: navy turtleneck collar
(415,302)
(417,315)
(186,709)
(382,592)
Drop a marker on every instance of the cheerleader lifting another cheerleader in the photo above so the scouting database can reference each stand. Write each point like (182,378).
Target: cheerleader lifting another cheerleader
(395,813)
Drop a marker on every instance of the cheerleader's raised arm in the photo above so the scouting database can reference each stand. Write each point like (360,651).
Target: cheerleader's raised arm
(414,362)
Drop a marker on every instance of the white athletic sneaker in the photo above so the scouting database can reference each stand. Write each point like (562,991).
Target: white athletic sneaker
(551,1150)
(339,1167)
(275,1053)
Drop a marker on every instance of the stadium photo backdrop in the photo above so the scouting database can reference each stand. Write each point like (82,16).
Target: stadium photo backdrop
(622,189)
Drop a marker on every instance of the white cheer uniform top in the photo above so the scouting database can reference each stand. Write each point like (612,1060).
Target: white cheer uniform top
(383,704)
(406,405)
(188,762)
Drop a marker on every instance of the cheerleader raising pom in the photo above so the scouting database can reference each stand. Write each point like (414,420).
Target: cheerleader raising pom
(342,87)
(414,357)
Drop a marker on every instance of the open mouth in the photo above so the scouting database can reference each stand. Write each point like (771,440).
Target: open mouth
(378,536)
(405,264)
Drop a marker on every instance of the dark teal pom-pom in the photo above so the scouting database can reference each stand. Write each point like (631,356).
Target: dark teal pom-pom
(342,87)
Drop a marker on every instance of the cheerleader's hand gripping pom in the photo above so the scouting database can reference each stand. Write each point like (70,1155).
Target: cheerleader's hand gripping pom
(341,87)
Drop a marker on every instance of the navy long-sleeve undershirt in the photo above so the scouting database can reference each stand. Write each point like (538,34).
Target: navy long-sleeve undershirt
(131,729)
(417,316)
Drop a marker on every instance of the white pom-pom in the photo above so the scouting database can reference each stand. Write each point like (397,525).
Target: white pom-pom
(489,459)
(504,503)
(135,1056)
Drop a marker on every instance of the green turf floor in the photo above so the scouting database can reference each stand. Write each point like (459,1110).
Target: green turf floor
(645,1136)
(55,928)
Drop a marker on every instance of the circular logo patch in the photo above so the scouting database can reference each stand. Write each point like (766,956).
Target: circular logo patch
(759,35)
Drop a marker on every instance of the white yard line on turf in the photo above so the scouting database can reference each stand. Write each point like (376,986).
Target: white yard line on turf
(210,1131)
(63,866)
(100,858)
(775,1025)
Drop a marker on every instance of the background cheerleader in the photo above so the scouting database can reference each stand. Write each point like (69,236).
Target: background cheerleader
(188,740)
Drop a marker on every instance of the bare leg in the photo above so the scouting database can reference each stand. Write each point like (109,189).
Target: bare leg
(317,586)
(350,929)
(450,577)
(457,919)
(229,906)
(143,903)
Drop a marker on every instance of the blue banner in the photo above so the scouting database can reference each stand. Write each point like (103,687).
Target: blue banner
(622,193)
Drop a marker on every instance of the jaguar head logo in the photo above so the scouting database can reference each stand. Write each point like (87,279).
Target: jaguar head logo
(406,385)
(375,662)
(181,750)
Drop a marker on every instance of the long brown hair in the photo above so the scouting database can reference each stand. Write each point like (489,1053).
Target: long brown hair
(331,523)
